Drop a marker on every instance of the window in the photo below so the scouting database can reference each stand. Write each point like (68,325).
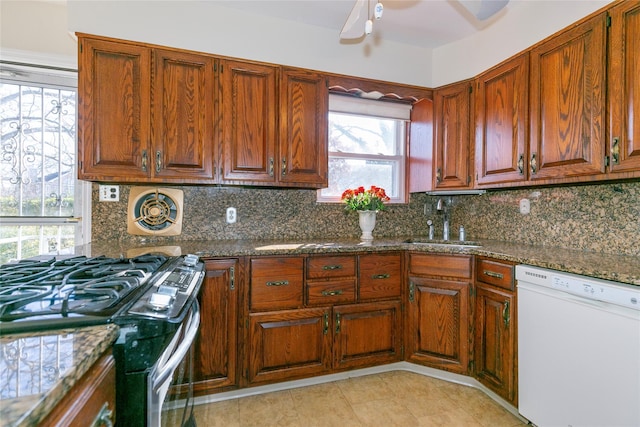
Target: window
(367,145)
(41,201)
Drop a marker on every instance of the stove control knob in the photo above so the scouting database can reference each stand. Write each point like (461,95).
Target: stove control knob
(160,302)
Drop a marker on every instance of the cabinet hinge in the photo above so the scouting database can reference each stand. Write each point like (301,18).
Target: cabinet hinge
(471,366)
(470,89)
(608,20)
(606,161)
(246,323)
(468,179)
(80,47)
(472,291)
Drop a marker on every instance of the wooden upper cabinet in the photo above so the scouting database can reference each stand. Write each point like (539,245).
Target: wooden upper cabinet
(249,123)
(567,103)
(114,110)
(624,87)
(452,108)
(183,116)
(501,120)
(303,155)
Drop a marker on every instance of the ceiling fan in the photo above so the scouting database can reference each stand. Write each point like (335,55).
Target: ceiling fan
(360,21)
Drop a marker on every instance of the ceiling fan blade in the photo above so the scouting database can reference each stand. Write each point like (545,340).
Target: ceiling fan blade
(483,9)
(354,27)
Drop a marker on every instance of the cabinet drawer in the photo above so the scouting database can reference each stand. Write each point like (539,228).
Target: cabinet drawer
(494,273)
(380,276)
(276,283)
(331,266)
(333,292)
(440,265)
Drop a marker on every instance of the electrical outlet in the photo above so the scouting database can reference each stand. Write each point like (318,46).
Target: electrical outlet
(109,193)
(231,215)
(525,206)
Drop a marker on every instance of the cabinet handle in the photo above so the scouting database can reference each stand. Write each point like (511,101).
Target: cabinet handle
(615,151)
(332,267)
(412,291)
(506,314)
(493,274)
(380,276)
(144,160)
(438,175)
(158,161)
(232,278)
(270,166)
(284,166)
(533,164)
(337,323)
(521,164)
(278,283)
(325,330)
(103,419)
(331,293)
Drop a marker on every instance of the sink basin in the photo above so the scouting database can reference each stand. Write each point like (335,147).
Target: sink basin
(443,243)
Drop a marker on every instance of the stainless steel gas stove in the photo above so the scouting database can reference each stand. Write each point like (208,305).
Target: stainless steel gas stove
(153,298)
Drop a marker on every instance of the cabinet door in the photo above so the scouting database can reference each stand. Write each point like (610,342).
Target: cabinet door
(501,118)
(624,87)
(183,116)
(495,340)
(304,100)
(215,350)
(567,103)
(452,107)
(439,323)
(249,105)
(114,84)
(367,334)
(288,344)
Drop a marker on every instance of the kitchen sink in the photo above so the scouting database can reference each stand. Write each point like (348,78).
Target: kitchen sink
(443,243)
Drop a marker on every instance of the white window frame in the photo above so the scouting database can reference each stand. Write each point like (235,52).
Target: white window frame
(27,67)
(380,109)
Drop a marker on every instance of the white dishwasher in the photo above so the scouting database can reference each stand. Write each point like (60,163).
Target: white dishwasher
(578,350)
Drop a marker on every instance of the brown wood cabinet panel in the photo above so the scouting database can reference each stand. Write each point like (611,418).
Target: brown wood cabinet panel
(215,358)
(624,87)
(249,108)
(496,273)
(367,334)
(452,136)
(183,116)
(440,265)
(501,117)
(380,276)
(114,118)
(568,103)
(439,323)
(495,341)
(276,283)
(91,400)
(324,267)
(288,344)
(303,128)
(336,291)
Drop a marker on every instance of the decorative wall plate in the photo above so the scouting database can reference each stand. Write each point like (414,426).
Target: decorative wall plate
(155,211)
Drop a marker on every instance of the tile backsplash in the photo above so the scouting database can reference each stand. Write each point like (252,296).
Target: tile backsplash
(599,217)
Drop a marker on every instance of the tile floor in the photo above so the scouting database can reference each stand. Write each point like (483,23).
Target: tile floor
(397,398)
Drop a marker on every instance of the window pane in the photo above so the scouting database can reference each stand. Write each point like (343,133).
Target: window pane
(352,173)
(361,134)
(23,241)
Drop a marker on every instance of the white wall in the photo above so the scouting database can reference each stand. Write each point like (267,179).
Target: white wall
(525,23)
(209,27)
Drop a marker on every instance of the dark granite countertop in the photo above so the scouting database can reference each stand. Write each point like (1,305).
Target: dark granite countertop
(38,369)
(620,268)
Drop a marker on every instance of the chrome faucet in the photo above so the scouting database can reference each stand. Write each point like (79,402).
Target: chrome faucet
(441,205)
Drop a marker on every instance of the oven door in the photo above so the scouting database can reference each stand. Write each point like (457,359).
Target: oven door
(170,382)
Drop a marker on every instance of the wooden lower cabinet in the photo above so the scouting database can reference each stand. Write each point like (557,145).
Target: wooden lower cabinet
(288,344)
(92,401)
(495,352)
(216,367)
(439,312)
(367,334)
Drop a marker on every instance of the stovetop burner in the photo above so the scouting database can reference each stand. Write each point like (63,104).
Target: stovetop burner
(58,289)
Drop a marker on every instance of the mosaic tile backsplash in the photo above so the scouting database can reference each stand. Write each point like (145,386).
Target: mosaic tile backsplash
(599,217)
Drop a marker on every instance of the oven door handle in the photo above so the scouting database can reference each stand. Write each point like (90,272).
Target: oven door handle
(167,370)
